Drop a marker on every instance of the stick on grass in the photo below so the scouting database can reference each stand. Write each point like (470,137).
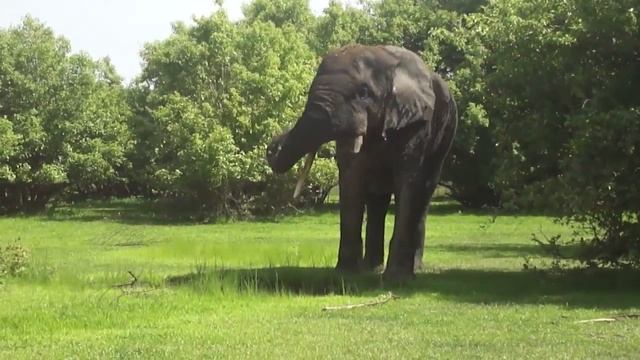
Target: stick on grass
(381,300)
(131,283)
(610,319)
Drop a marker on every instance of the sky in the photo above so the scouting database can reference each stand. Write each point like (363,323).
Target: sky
(117,28)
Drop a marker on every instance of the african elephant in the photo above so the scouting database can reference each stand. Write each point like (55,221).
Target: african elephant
(393,121)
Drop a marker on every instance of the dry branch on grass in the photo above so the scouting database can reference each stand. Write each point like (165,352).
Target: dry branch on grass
(383,299)
(133,287)
(132,283)
(610,319)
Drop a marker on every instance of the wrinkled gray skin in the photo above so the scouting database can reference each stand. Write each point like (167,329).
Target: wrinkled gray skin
(406,117)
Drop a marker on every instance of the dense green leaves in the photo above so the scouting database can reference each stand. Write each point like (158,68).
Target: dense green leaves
(62,118)
(209,100)
(279,12)
(560,85)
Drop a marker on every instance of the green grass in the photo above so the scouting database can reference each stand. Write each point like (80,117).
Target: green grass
(256,290)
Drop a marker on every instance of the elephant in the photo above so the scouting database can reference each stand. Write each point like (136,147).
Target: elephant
(393,121)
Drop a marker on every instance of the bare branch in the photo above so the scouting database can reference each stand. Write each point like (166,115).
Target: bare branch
(381,300)
(610,319)
(131,283)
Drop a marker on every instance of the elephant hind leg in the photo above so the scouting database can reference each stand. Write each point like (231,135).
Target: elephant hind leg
(377,206)
(405,250)
(407,245)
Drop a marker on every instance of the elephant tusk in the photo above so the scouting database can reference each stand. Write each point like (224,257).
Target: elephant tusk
(304,173)
(357,144)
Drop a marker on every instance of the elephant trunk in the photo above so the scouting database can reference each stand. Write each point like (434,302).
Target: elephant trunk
(309,133)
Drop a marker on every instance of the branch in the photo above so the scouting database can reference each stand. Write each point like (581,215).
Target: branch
(551,245)
(447,186)
(610,319)
(133,287)
(381,300)
(131,283)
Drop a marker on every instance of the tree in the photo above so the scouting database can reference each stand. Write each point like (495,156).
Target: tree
(559,90)
(62,117)
(208,101)
(280,12)
(340,25)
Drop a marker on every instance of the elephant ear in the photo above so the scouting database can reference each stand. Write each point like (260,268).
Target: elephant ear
(412,98)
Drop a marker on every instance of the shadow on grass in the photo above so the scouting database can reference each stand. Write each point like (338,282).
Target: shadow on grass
(130,211)
(580,289)
(135,211)
(490,250)
(439,207)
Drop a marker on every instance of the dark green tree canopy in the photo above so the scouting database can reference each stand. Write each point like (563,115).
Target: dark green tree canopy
(62,117)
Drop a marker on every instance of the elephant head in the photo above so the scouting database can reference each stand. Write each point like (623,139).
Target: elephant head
(358,92)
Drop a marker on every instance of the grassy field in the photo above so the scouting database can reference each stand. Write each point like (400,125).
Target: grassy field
(257,290)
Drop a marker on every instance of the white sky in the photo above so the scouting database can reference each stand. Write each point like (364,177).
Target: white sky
(117,28)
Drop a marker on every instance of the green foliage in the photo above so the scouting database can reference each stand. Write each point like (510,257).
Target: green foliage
(199,155)
(559,89)
(62,118)
(599,186)
(14,259)
(455,50)
(280,12)
(208,102)
(340,25)
(405,23)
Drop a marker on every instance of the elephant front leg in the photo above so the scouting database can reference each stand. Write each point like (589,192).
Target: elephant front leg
(351,212)
(377,206)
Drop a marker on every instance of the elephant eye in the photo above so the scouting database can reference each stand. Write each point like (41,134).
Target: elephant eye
(363,92)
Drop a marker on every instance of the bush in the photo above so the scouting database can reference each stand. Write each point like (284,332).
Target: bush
(207,104)
(62,119)
(14,259)
(560,90)
(599,187)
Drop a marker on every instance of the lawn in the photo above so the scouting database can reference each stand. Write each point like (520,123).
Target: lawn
(257,290)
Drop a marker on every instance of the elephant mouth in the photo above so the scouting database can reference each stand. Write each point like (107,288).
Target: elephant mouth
(278,165)
(281,157)
(283,153)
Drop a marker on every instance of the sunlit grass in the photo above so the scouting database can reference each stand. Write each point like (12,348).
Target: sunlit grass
(256,290)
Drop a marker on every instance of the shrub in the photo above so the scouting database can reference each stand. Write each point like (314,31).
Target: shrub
(14,259)
(599,189)
(62,119)
(207,104)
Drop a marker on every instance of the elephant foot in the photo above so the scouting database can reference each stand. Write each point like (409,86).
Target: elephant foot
(349,266)
(373,265)
(378,269)
(397,275)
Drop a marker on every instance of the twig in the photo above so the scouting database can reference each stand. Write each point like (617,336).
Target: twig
(381,300)
(133,287)
(135,292)
(296,209)
(551,244)
(596,320)
(131,283)
(610,319)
